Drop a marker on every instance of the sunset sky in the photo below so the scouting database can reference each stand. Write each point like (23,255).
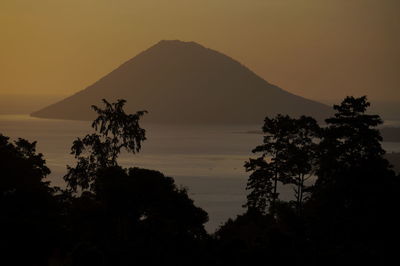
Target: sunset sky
(320,49)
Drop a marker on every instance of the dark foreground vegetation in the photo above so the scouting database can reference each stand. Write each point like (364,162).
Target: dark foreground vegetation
(344,207)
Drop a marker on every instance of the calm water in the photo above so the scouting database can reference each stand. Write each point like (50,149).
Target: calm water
(208,160)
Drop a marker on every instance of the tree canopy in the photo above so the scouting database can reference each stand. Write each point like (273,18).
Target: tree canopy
(342,210)
(115,130)
(348,213)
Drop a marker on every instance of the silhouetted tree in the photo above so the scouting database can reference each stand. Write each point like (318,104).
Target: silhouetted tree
(302,156)
(352,204)
(128,216)
(272,166)
(287,156)
(254,237)
(350,139)
(116,131)
(138,216)
(29,210)
(349,215)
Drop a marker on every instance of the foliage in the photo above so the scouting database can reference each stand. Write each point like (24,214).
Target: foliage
(127,213)
(21,166)
(353,186)
(303,156)
(271,167)
(139,216)
(29,210)
(287,156)
(348,215)
(350,139)
(116,130)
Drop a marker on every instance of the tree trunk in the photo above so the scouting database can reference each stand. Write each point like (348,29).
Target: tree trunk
(275,191)
(301,193)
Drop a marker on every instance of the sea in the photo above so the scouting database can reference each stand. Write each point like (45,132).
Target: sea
(208,160)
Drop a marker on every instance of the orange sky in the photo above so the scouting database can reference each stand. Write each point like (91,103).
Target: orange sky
(321,49)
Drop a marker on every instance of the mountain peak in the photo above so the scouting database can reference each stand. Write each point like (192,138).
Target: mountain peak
(185,82)
(177,43)
(179,47)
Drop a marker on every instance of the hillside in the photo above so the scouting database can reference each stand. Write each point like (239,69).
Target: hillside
(184,82)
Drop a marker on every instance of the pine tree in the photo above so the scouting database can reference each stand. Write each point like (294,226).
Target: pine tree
(271,167)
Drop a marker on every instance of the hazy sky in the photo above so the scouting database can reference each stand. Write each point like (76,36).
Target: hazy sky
(321,49)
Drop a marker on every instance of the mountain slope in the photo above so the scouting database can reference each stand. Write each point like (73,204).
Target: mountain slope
(183,82)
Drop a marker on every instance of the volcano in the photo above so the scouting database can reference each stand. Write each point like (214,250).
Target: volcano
(184,82)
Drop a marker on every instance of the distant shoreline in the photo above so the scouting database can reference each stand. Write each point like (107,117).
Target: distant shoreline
(389,133)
